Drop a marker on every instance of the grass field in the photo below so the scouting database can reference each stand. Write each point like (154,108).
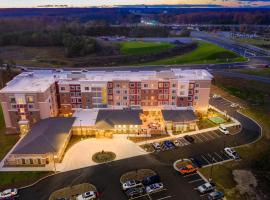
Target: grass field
(206,53)
(18,179)
(139,48)
(258,72)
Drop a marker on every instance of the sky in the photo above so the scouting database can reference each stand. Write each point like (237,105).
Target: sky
(83,3)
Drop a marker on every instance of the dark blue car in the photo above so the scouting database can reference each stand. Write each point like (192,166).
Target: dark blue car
(169,144)
(151,180)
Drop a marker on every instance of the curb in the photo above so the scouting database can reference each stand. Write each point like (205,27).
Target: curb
(30,185)
(261,131)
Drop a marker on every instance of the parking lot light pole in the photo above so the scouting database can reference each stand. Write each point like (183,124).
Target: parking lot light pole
(211,172)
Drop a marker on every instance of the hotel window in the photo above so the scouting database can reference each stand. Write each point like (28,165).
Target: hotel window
(190,92)
(132,85)
(125,97)
(173,97)
(166,85)
(174,85)
(182,86)
(190,98)
(196,97)
(72,87)
(182,93)
(78,87)
(118,85)
(30,106)
(189,104)
(110,85)
(117,91)
(173,91)
(125,91)
(197,85)
(132,91)
(145,85)
(63,88)
(86,88)
(30,99)
(196,91)
(12,100)
(72,94)
(166,91)
(13,106)
(160,85)
(79,100)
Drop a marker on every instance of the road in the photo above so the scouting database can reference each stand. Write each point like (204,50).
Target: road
(237,47)
(106,176)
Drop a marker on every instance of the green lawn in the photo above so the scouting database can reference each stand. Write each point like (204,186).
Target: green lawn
(139,47)
(206,53)
(258,72)
(6,141)
(18,179)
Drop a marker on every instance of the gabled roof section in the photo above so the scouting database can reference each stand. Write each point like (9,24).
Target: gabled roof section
(179,115)
(46,136)
(118,117)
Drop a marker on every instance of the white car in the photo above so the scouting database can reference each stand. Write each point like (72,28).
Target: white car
(232,153)
(234,105)
(154,187)
(223,129)
(8,193)
(216,96)
(157,146)
(206,187)
(87,196)
(130,184)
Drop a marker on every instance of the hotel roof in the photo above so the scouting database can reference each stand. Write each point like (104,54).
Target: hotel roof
(46,136)
(179,115)
(108,118)
(40,80)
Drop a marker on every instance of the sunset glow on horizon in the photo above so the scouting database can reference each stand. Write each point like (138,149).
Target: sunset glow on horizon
(88,3)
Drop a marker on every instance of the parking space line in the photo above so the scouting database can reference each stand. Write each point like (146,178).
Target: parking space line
(197,137)
(164,197)
(189,175)
(225,155)
(195,180)
(218,155)
(205,159)
(202,135)
(140,197)
(216,134)
(212,158)
(208,134)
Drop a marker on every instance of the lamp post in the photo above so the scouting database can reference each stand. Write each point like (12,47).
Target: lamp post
(81,126)
(54,157)
(211,172)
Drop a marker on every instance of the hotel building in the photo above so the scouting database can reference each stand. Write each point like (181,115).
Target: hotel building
(51,105)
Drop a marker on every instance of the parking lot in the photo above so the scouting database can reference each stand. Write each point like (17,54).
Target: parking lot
(159,195)
(198,138)
(212,158)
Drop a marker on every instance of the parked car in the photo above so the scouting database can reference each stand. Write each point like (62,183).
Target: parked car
(206,187)
(223,129)
(135,192)
(156,146)
(216,195)
(196,162)
(8,193)
(151,180)
(177,143)
(130,184)
(169,144)
(232,153)
(187,169)
(87,196)
(154,187)
(63,198)
(234,105)
(216,96)
(189,138)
